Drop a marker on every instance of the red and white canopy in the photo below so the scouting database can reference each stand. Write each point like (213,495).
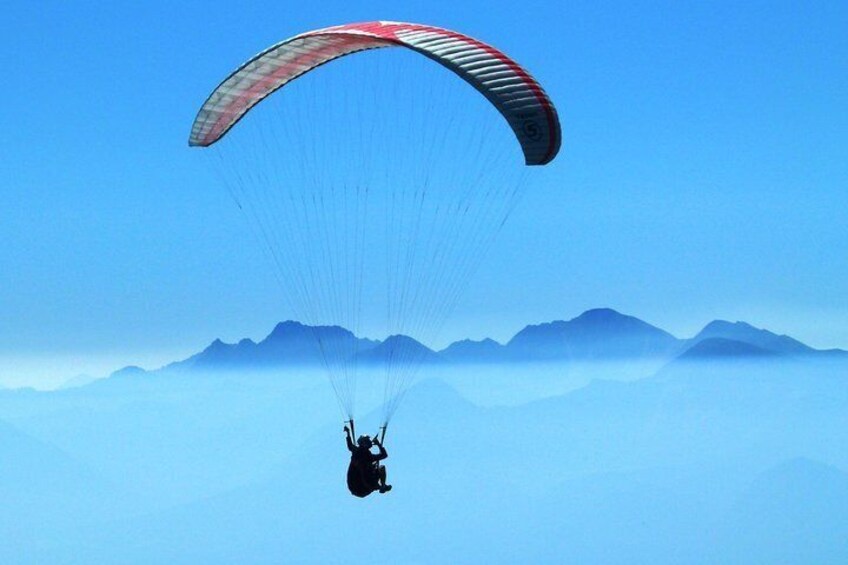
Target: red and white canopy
(511,89)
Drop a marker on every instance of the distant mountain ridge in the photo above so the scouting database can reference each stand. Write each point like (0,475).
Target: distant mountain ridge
(597,334)
(398,349)
(721,348)
(746,333)
(289,343)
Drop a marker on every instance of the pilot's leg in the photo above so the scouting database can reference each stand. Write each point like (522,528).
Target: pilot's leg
(383,486)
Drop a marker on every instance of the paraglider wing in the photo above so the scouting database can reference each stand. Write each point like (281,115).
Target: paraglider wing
(516,94)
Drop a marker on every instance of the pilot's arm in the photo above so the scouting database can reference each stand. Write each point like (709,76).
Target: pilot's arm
(383,453)
(350,445)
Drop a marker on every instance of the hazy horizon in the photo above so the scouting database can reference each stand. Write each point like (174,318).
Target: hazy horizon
(37,372)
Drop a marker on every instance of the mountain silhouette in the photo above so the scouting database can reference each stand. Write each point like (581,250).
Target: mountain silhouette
(746,333)
(470,351)
(597,335)
(127,372)
(398,350)
(289,343)
(720,348)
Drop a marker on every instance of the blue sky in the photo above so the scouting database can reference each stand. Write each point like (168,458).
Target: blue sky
(703,173)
